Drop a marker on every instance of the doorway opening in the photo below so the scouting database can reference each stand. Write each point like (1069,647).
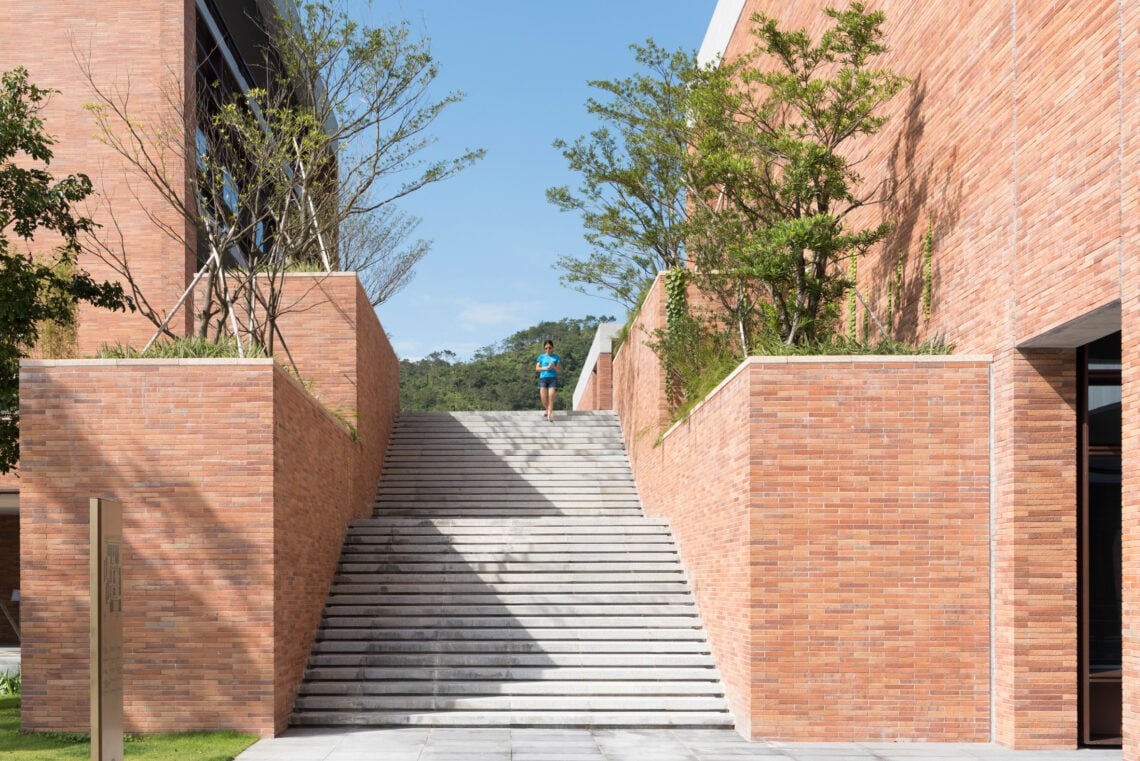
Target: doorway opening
(1099,503)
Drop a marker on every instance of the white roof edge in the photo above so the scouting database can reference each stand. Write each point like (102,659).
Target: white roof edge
(603,344)
(725,17)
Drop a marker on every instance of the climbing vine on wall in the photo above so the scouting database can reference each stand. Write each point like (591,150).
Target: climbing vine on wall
(852,275)
(676,301)
(676,314)
(927,269)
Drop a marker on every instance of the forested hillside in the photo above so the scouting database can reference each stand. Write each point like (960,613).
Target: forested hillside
(500,376)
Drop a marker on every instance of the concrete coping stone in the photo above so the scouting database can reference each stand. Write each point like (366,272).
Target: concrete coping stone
(836,359)
(144,362)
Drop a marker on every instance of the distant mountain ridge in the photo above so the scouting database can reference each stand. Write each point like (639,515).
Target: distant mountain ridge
(500,376)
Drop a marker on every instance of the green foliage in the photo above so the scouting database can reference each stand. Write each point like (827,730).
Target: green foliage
(500,376)
(695,357)
(56,746)
(770,228)
(927,270)
(634,177)
(699,358)
(10,683)
(194,347)
(45,287)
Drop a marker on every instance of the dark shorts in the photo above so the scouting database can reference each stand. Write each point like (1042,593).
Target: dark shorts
(548,383)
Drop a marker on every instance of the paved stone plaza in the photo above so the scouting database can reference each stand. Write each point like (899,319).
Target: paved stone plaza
(612,745)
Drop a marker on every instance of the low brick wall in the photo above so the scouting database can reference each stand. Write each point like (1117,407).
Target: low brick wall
(832,514)
(237,487)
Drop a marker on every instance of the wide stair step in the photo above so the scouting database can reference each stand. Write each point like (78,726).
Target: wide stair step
(508,578)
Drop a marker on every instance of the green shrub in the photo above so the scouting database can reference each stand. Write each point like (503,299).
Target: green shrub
(10,683)
(194,347)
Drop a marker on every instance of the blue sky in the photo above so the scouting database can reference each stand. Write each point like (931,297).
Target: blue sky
(524,65)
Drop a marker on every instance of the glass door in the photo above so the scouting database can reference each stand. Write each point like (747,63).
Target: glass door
(1100,580)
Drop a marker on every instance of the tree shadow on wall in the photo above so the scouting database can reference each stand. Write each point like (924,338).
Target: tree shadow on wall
(197,574)
(923,199)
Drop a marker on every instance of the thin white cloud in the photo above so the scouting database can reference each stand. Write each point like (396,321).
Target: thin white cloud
(515,313)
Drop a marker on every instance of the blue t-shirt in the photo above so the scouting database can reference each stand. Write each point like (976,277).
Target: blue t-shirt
(548,359)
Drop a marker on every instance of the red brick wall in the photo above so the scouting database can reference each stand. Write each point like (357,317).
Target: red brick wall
(599,391)
(377,384)
(316,469)
(639,384)
(1016,145)
(346,361)
(870,549)
(838,550)
(1035,550)
(140,47)
(699,478)
(238,487)
(198,497)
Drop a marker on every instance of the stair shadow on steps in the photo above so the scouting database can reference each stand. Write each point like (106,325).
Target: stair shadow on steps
(507,578)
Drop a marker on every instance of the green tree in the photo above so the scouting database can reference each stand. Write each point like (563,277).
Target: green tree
(770,230)
(48,285)
(634,177)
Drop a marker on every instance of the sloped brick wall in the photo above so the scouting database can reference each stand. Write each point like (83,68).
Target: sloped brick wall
(832,515)
(599,391)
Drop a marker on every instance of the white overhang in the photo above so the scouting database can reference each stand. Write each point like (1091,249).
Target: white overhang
(725,17)
(603,344)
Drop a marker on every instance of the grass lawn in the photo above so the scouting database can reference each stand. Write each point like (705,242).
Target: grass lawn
(189,746)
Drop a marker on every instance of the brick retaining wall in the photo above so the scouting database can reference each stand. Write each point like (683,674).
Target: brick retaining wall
(832,514)
(237,486)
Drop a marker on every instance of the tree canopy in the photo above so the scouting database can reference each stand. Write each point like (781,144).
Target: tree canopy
(47,285)
(741,170)
(634,177)
(741,178)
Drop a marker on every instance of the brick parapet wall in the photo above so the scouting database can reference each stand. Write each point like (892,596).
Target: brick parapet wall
(377,395)
(832,515)
(197,492)
(233,520)
(316,492)
(698,478)
(639,382)
(599,391)
(238,486)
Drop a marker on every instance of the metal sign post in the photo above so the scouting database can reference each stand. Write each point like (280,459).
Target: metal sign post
(106,630)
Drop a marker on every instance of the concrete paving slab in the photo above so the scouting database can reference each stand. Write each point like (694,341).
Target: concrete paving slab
(557,744)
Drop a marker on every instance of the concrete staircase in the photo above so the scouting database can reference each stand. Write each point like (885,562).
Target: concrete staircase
(508,578)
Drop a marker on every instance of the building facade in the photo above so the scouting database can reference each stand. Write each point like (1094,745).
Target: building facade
(1013,161)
